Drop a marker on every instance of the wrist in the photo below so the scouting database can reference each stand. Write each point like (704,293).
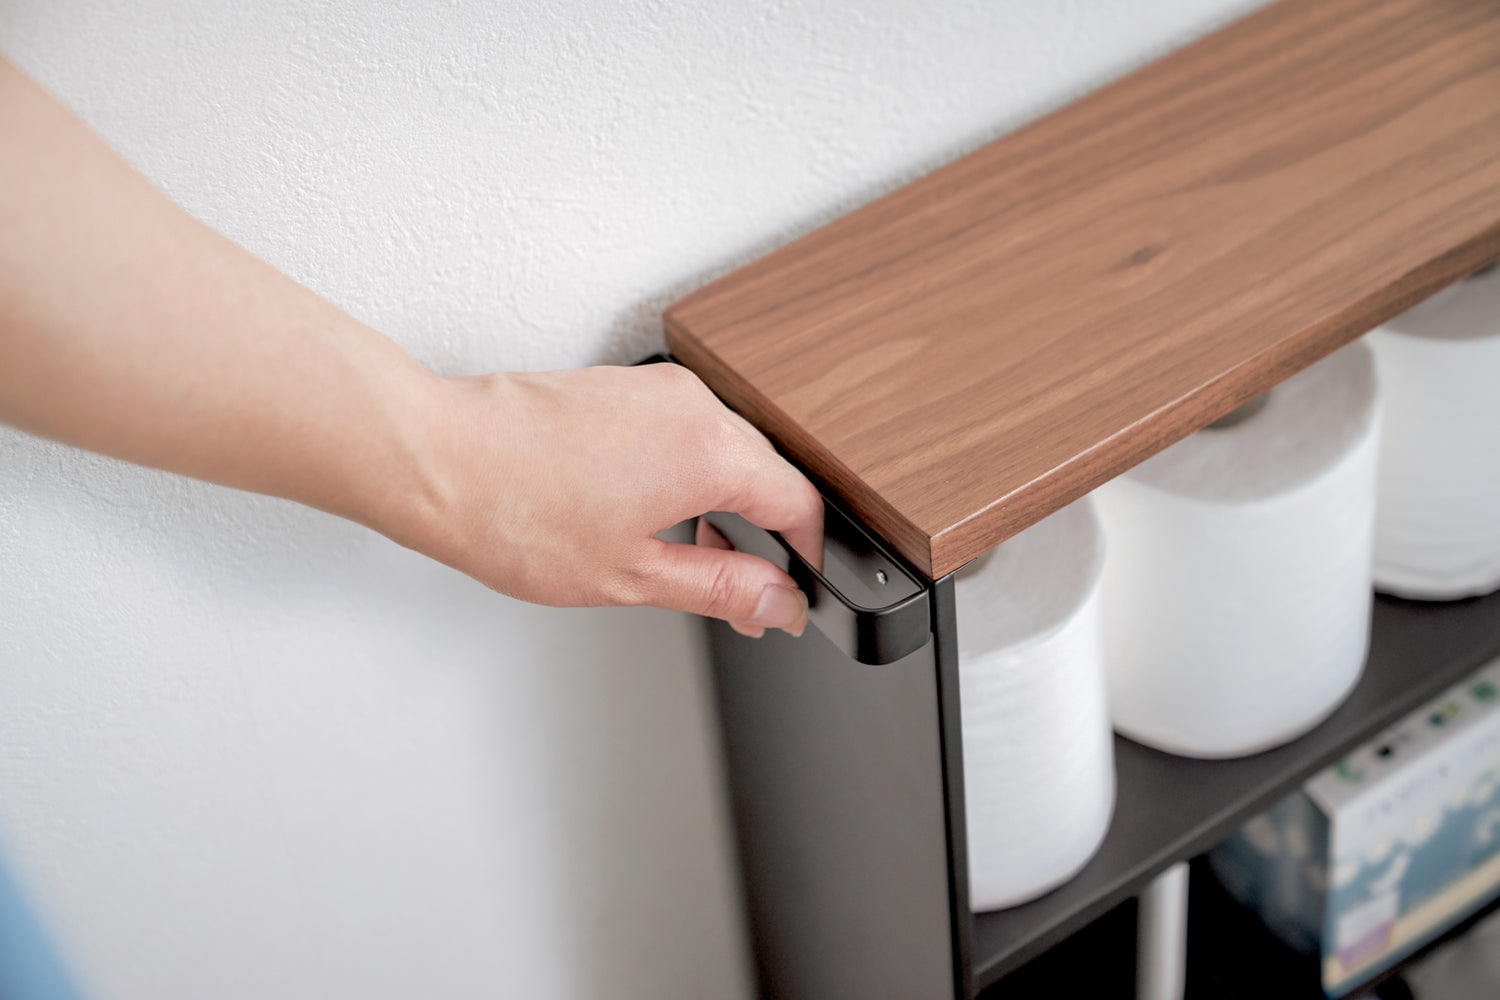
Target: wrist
(448,459)
(408,495)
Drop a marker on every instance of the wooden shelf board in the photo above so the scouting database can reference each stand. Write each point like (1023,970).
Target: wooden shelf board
(1171,808)
(971,352)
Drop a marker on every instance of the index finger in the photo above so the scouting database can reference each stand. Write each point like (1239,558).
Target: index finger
(773,495)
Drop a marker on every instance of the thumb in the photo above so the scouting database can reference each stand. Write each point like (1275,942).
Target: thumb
(744,590)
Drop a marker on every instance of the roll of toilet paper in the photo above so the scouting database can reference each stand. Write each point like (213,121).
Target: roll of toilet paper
(1236,594)
(1039,781)
(1437,521)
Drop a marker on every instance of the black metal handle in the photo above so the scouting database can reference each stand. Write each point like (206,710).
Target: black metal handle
(864,600)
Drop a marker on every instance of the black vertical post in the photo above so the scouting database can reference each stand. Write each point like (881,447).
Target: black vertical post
(846,786)
(950,722)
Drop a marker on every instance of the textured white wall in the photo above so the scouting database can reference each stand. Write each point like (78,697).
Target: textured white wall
(247,750)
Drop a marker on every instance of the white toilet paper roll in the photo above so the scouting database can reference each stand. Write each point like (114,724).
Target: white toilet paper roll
(1039,781)
(1236,591)
(1437,521)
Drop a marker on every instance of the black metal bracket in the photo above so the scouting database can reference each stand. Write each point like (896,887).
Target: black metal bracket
(866,602)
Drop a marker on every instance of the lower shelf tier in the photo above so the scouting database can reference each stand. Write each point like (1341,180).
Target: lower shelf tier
(1172,808)
(1231,956)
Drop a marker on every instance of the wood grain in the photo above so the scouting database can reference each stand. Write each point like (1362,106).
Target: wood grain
(973,351)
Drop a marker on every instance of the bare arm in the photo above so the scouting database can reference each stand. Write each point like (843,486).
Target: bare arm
(129,328)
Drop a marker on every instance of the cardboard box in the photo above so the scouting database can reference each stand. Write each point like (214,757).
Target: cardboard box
(1385,850)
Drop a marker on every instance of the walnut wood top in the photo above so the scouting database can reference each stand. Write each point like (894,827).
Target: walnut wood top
(971,352)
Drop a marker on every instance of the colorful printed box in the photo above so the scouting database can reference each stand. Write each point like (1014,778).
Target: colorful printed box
(1386,849)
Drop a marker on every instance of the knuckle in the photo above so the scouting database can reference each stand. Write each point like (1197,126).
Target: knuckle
(625,577)
(681,379)
(721,596)
(720,450)
(728,442)
(630,585)
(809,495)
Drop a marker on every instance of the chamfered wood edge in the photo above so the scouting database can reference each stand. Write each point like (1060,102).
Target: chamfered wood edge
(937,553)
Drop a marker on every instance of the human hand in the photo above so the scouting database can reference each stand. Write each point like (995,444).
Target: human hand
(128,328)
(557,484)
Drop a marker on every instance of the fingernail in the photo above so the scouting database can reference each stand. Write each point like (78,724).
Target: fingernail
(796,630)
(780,607)
(748,631)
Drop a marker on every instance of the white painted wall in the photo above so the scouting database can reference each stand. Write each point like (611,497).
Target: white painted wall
(247,750)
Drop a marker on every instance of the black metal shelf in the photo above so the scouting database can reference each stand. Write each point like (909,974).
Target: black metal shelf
(1231,956)
(1173,808)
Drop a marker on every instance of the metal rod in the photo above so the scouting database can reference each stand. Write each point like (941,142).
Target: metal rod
(1161,936)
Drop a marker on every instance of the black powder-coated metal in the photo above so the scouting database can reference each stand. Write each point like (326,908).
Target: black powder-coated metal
(848,791)
(845,761)
(846,776)
(836,781)
(950,722)
(1172,808)
(865,600)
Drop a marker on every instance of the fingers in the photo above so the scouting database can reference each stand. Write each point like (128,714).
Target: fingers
(708,537)
(713,580)
(760,485)
(775,496)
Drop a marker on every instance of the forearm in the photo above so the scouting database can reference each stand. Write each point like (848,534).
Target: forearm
(129,328)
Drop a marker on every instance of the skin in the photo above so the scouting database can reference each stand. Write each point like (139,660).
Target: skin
(130,329)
